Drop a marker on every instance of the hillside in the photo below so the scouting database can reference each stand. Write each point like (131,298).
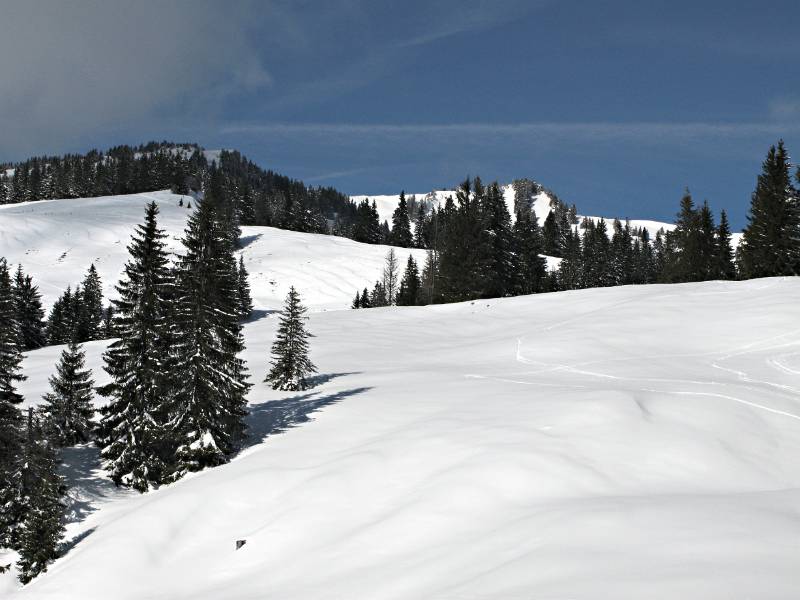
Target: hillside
(57,240)
(476,450)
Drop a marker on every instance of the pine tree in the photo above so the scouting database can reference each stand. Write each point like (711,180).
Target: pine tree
(30,314)
(69,405)
(356,301)
(133,429)
(365,299)
(245,299)
(401,225)
(210,379)
(12,506)
(410,284)
(771,241)
(43,528)
(290,365)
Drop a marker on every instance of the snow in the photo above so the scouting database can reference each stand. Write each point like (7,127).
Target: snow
(57,240)
(630,442)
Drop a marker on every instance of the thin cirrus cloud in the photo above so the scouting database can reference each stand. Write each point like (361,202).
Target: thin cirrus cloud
(651,132)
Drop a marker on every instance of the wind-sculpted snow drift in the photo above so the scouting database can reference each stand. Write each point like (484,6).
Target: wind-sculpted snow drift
(620,443)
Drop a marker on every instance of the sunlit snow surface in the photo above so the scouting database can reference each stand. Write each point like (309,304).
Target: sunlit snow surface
(57,240)
(634,442)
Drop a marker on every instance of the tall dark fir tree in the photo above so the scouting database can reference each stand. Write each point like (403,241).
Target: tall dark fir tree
(209,377)
(12,505)
(134,425)
(243,291)
(68,405)
(771,241)
(290,366)
(42,529)
(401,225)
(30,314)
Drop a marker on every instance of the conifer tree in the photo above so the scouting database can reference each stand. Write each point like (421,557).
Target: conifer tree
(89,326)
(771,241)
(356,301)
(30,314)
(401,225)
(43,528)
(133,429)
(409,285)
(59,323)
(290,366)
(245,299)
(209,377)
(11,437)
(69,405)
(498,262)
(725,268)
(531,268)
(550,235)
(365,299)
(428,280)
(390,281)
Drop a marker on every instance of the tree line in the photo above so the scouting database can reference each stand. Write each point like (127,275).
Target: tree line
(475,251)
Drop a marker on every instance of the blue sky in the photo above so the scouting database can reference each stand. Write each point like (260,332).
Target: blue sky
(617,106)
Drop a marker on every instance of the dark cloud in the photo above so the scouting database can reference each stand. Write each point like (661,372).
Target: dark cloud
(76,69)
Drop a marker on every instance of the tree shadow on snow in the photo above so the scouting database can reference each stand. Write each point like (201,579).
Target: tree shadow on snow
(277,416)
(88,483)
(258,314)
(68,545)
(246,240)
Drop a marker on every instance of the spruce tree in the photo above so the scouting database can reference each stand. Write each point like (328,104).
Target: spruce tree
(243,291)
(401,225)
(69,405)
(30,314)
(498,261)
(209,377)
(133,429)
(531,267)
(365,299)
(409,285)
(12,506)
(771,241)
(429,292)
(43,527)
(725,268)
(356,301)
(90,320)
(290,366)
